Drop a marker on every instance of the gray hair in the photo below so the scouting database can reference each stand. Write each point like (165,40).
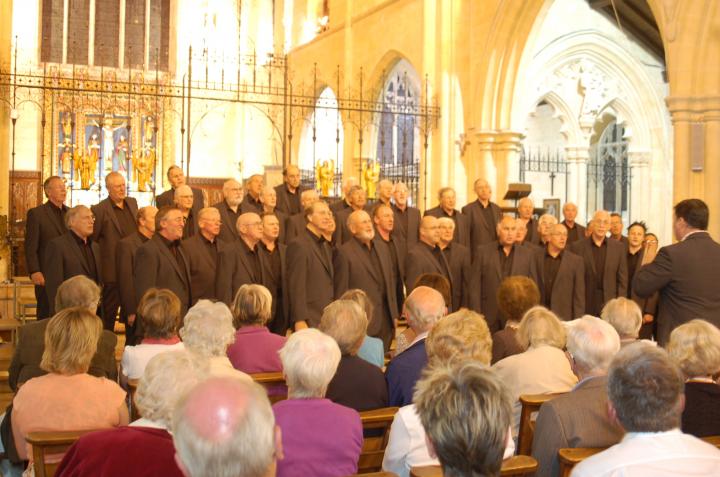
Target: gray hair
(72,212)
(77,291)
(592,343)
(540,326)
(645,387)
(345,322)
(695,347)
(624,315)
(167,377)
(424,307)
(549,218)
(252,305)
(310,359)
(207,329)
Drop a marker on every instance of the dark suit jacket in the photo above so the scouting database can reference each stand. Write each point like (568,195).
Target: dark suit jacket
(284,198)
(107,234)
(310,279)
(168,198)
(282,218)
(26,359)
(358,384)
(412,234)
(701,416)
(462,224)
(125,262)
(280,320)
(249,205)
(402,373)
(487,276)
(576,419)
(458,257)
(203,268)
(420,259)
(234,271)
(647,305)
(687,275)
(63,260)
(568,292)
(580,232)
(353,270)
(294,225)
(155,266)
(228,229)
(42,226)
(614,277)
(342,232)
(481,232)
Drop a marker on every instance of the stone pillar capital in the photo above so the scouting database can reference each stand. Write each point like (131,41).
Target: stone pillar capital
(640,158)
(579,153)
(694,108)
(499,140)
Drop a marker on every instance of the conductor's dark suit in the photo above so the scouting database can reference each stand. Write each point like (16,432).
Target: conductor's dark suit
(228,229)
(356,268)
(167,198)
(458,258)
(687,275)
(487,276)
(462,224)
(64,259)
(410,233)
(421,259)
(601,287)
(125,263)
(155,266)
(44,223)
(235,269)
(310,277)
(481,232)
(567,298)
(203,266)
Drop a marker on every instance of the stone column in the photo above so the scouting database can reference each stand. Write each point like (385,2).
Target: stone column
(640,188)
(577,159)
(498,153)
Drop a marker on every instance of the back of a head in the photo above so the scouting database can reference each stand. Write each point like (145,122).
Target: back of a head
(345,322)
(466,412)
(695,212)
(695,347)
(460,336)
(645,387)
(77,291)
(360,297)
(159,312)
(71,340)
(593,343)
(437,282)
(424,307)
(225,427)
(515,296)
(252,306)
(624,315)
(540,326)
(208,329)
(310,359)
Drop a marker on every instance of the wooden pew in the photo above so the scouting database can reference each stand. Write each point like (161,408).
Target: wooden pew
(132,389)
(515,466)
(50,443)
(373,449)
(530,405)
(274,383)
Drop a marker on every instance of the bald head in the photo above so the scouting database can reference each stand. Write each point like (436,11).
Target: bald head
(308,197)
(291,177)
(384,190)
(525,208)
(570,211)
(361,226)
(250,228)
(429,231)
(601,224)
(423,308)
(506,230)
(215,421)
(146,220)
(348,183)
(483,190)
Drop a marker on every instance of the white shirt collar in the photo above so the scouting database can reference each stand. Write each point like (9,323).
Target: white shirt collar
(419,337)
(693,232)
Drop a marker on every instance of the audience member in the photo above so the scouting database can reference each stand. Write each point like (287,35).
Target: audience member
(255,349)
(319,438)
(695,348)
(515,296)
(624,315)
(435,281)
(579,418)
(371,349)
(543,368)
(646,398)
(357,384)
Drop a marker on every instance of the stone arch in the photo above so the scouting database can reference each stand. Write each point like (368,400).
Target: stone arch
(570,127)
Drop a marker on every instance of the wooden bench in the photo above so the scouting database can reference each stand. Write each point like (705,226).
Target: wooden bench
(373,450)
(274,383)
(50,443)
(530,405)
(515,466)
(132,389)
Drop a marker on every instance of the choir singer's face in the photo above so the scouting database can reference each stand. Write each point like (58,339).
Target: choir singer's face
(506,231)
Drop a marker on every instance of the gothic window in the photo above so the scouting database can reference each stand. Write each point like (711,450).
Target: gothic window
(609,172)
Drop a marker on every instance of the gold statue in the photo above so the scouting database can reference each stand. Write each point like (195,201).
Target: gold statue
(66,156)
(142,168)
(370,177)
(85,167)
(67,126)
(324,175)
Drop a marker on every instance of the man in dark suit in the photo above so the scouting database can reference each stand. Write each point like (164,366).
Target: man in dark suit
(296,223)
(357,198)
(125,266)
(176,177)
(686,273)
(365,264)
(561,277)
(579,418)
(494,262)
(483,216)
(160,262)
(616,228)
(269,202)
(423,308)
(605,264)
(203,251)
(384,220)
(230,210)
(407,219)
(525,211)
(288,193)
(275,273)
(245,262)
(44,223)
(311,273)
(545,224)
(458,258)
(635,256)
(384,192)
(575,231)
(426,256)
(72,253)
(344,203)
(114,220)
(446,208)
(253,189)
(185,203)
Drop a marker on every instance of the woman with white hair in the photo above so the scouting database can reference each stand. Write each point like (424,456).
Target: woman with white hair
(695,347)
(319,438)
(207,332)
(543,367)
(625,316)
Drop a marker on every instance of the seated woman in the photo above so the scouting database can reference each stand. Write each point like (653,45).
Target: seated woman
(255,349)
(695,347)
(459,337)
(207,332)
(625,316)
(319,438)
(145,448)
(67,398)
(515,296)
(357,383)
(543,368)
(371,349)
(159,313)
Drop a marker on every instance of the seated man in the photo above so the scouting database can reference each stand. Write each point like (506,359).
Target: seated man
(466,413)
(579,418)
(646,397)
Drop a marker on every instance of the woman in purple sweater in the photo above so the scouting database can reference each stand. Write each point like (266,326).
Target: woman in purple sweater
(319,438)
